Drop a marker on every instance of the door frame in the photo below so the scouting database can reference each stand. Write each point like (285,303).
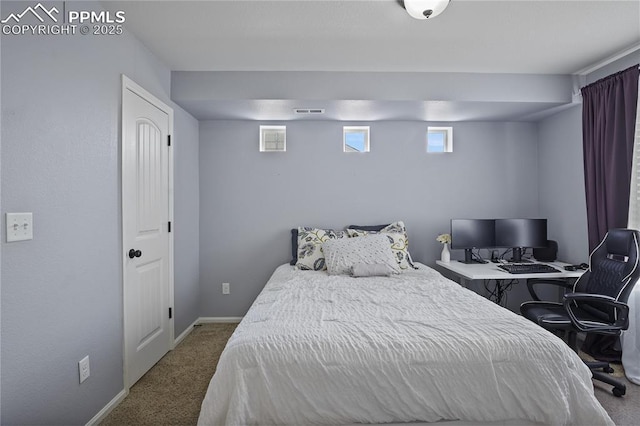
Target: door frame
(130,85)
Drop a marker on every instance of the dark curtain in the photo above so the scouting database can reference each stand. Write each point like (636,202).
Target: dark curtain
(608,125)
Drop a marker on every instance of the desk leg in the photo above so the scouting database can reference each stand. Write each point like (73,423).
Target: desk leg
(499,290)
(464,282)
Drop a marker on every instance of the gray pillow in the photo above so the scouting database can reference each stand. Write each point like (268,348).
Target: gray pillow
(370,270)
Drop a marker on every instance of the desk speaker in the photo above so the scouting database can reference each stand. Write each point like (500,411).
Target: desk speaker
(548,253)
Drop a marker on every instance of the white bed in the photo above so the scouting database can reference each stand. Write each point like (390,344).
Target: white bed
(323,349)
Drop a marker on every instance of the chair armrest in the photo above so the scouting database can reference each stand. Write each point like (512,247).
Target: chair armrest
(559,282)
(621,310)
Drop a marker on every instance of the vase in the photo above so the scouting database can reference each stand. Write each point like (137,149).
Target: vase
(445,256)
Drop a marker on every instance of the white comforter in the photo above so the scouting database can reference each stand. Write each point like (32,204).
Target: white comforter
(319,349)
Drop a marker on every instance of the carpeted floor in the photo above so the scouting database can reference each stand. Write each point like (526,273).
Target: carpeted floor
(172,391)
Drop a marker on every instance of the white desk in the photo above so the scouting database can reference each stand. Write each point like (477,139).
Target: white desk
(467,272)
(490,271)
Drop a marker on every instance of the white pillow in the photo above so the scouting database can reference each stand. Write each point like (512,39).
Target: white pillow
(341,254)
(398,239)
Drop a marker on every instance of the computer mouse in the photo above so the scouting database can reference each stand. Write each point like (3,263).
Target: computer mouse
(570,268)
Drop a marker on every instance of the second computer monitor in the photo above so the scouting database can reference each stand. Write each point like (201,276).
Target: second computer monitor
(517,233)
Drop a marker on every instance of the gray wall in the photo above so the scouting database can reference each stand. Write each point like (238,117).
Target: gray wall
(250,200)
(187,218)
(62,291)
(561,177)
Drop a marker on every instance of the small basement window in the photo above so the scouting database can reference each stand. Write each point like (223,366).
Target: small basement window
(356,138)
(273,138)
(440,139)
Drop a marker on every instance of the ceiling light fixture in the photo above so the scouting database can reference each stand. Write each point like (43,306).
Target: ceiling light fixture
(425,9)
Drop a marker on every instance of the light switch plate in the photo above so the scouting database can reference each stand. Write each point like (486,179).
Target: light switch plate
(84,369)
(19,227)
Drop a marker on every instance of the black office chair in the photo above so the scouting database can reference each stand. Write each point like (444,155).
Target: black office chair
(598,301)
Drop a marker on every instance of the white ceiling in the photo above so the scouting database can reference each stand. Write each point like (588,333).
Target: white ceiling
(470,36)
(516,36)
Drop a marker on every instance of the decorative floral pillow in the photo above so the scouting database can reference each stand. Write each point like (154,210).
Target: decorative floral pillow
(342,254)
(310,240)
(397,235)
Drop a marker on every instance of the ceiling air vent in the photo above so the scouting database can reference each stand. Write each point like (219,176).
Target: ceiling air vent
(309,111)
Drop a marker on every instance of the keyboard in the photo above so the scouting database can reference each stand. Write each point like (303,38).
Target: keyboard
(528,268)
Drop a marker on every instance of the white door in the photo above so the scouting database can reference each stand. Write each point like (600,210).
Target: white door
(147,243)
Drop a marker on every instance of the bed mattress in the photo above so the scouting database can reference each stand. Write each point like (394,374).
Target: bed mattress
(320,349)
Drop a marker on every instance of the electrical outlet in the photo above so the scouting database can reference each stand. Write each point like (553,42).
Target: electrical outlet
(83,369)
(225,288)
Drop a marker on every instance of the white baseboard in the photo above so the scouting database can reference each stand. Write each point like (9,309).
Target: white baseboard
(108,408)
(185,333)
(228,320)
(206,320)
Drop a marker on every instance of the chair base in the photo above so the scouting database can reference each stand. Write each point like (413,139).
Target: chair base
(619,388)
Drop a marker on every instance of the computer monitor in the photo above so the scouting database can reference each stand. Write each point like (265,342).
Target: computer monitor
(468,234)
(519,233)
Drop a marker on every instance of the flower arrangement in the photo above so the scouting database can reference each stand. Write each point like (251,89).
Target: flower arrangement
(444,238)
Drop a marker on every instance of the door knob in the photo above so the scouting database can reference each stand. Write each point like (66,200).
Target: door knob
(134,253)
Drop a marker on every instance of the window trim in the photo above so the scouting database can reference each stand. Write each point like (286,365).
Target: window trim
(448,138)
(356,129)
(263,129)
